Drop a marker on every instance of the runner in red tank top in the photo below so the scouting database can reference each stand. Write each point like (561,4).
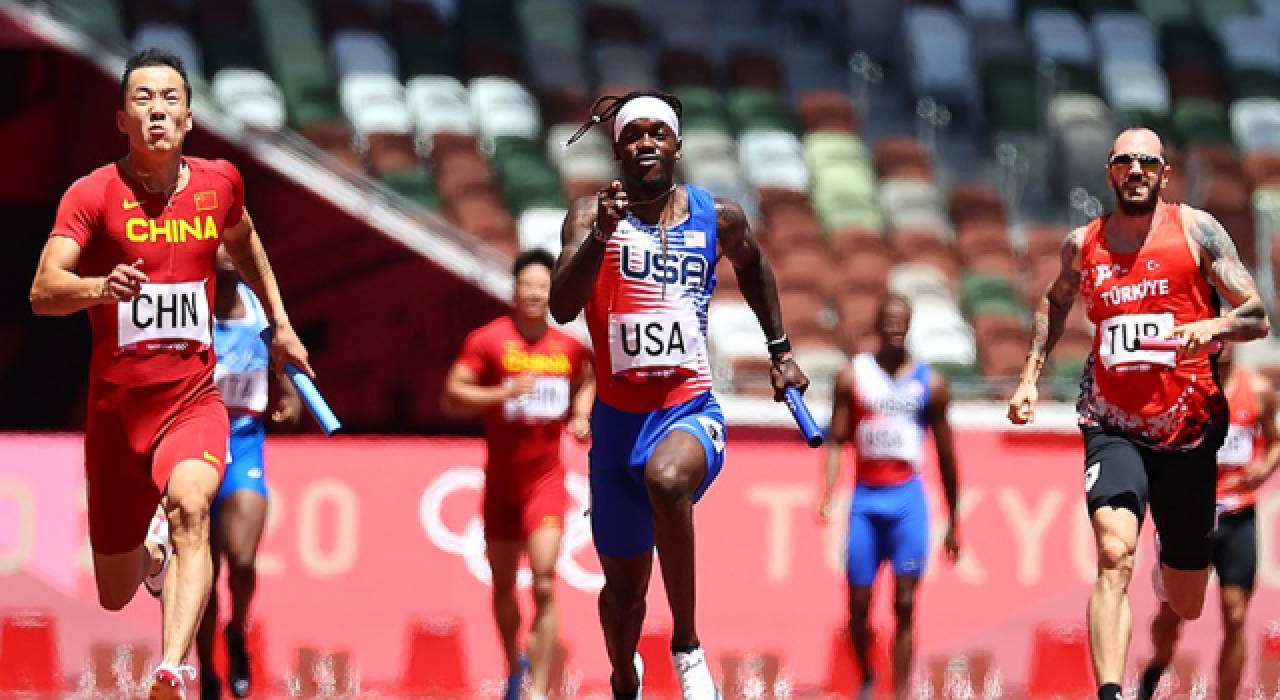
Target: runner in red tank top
(133,244)
(1152,420)
(1247,459)
(530,381)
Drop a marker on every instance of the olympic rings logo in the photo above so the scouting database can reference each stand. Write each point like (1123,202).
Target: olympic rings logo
(469,543)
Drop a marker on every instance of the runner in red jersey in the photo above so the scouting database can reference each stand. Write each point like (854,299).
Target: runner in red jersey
(529,380)
(1152,420)
(133,244)
(1247,459)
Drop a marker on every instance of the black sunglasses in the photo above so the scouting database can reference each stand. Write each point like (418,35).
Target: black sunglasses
(1149,163)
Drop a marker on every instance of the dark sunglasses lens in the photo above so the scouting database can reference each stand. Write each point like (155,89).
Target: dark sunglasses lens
(1121,159)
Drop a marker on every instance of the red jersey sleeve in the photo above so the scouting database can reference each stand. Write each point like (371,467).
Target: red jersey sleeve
(475,354)
(235,213)
(79,211)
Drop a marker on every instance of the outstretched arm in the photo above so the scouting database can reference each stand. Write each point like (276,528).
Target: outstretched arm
(1220,259)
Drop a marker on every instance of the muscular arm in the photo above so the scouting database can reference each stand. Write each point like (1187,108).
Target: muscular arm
(1248,320)
(57,290)
(464,397)
(580,259)
(939,405)
(841,412)
(251,262)
(755,276)
(1051,314)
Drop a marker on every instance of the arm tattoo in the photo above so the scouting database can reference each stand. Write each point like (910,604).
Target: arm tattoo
(1248,320)
(1051,316)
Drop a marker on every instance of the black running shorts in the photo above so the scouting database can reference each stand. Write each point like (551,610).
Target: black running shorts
(1180,487)
(1235,549)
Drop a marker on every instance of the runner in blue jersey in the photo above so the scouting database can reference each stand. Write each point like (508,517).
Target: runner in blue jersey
(240,508)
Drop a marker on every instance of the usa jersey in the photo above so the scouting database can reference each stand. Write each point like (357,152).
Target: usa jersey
(243,359)
(888,421)
(647,313)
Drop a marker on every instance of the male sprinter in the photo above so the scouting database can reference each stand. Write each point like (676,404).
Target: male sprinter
(1241,471)
(1152,420)
(886,400)
(640,257)
(133,243)
(530,381)
(239,513)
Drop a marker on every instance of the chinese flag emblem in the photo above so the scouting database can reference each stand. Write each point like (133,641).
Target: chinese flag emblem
(207,200)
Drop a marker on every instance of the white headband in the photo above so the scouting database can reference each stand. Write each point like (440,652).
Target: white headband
(645,108)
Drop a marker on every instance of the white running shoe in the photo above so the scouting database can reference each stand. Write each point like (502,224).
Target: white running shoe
(696,682)
(158,534)
(639,663)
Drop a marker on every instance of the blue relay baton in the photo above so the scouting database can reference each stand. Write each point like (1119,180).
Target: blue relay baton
(316,404)
(804,419)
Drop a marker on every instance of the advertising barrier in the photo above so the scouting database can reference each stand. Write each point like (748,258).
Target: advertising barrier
(367,535)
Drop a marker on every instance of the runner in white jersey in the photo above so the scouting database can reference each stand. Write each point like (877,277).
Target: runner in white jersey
(886,401)
(640,258)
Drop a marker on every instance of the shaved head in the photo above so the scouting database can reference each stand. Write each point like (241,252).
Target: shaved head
(1138,140)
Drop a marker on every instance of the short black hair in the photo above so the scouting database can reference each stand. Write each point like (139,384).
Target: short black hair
(533,256)
(891,298)
(608,106)
(147,58)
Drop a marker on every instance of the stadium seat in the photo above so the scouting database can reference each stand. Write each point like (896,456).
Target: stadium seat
(939,51)
(251,97)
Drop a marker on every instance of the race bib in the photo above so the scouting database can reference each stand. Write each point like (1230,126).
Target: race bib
(242,392)
(1237,451)
(888,438)
(653,345)
(1118,340)
(548,401)
(165,316)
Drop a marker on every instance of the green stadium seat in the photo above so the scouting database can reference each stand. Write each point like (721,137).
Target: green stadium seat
(1200,121)
(1011,96)
(1213,12)
(1162,12)
(753,108)
(703,108)
(826,148)
(416,185)
(101,19)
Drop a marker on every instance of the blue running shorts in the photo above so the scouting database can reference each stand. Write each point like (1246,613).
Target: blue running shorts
(889,523)
(246,467)
(621,444)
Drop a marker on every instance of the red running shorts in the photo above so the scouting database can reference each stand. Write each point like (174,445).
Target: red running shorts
(134,437)
(509,517)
